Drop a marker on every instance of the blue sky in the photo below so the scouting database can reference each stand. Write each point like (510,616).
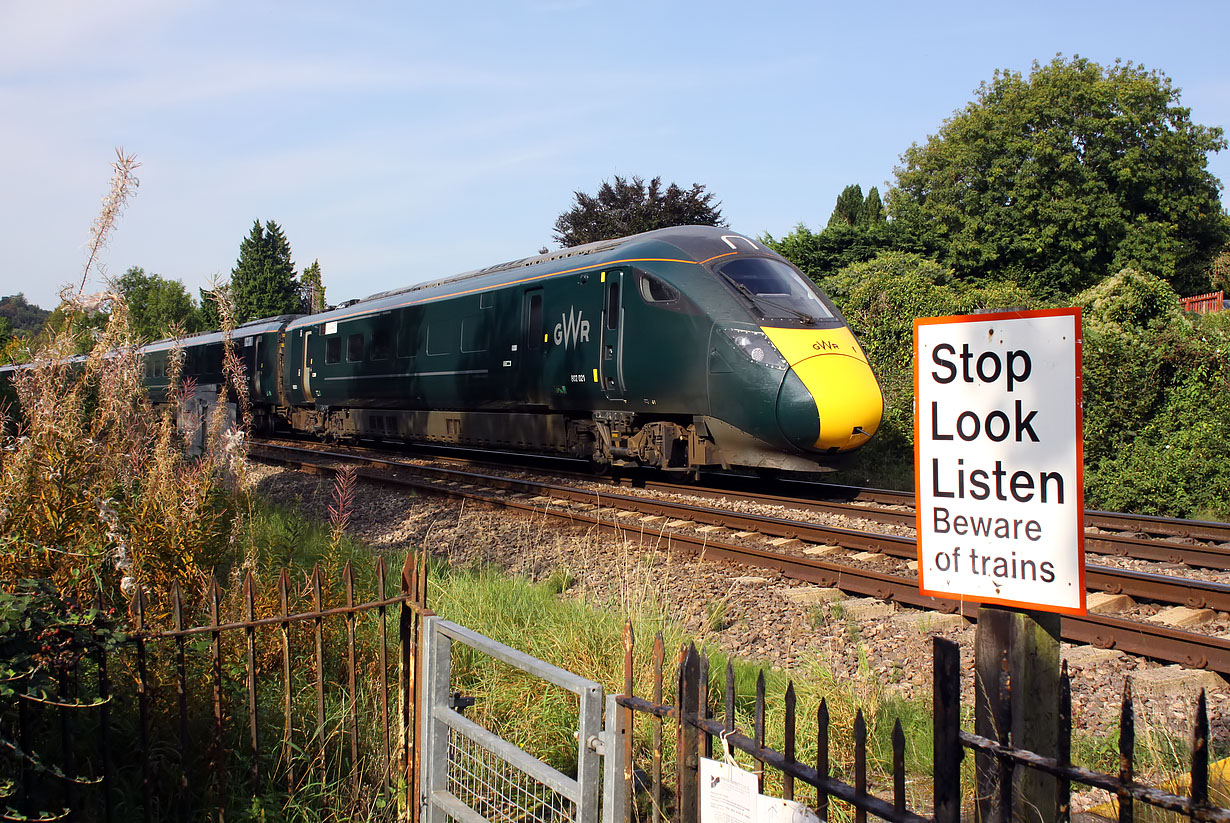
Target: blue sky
(401,141)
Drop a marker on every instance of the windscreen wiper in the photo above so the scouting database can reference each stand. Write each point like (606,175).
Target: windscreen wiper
(758,300)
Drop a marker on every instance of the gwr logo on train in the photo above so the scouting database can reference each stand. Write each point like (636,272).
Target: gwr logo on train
(573,329)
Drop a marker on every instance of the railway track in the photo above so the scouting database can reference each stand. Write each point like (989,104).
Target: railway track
(697,528)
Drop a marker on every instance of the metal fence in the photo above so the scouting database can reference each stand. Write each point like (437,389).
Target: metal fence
(347,710)
(189,722)
(472,775)
(696,728)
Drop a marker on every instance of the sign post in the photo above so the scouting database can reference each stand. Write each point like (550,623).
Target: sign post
(1000,516)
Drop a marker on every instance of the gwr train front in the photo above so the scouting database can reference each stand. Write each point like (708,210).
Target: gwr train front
(821,397)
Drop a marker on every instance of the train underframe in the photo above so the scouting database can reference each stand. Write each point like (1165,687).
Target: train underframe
(608,438)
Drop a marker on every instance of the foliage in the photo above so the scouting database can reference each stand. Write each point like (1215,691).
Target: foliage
(630,206)
(1157,401)
(311,290)
(25,318)
(1219,270)
(1055,179)
(848,208)
(42,639)
(852,209)
(157,306)
(263,280)
(208,309)
(820,254)
(96,488)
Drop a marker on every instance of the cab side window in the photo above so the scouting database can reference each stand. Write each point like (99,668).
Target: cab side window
(654,290)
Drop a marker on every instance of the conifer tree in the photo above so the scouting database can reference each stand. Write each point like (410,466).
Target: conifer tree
(263,280)
(872,211)
(311,290)
(848,207)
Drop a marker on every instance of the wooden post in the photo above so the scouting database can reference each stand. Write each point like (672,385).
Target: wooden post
(1029,643)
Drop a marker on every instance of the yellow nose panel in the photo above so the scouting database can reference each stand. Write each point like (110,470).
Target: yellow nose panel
(796,345)
(834,369)
(847,397)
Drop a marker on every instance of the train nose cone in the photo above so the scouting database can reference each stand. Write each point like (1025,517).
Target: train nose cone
(830,401)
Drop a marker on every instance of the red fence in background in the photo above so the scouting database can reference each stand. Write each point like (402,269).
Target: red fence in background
(1204,303)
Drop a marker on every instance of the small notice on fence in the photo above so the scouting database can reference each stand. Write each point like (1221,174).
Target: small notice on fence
(728,795)
(997,458)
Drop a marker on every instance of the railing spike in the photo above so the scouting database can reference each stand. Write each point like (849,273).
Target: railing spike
(1200,752)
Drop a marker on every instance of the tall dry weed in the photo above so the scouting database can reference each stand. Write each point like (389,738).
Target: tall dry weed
(98,493)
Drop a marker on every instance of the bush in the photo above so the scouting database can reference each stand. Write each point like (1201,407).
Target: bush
(1157,401)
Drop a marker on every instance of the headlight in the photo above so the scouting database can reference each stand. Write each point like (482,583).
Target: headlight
(757,347)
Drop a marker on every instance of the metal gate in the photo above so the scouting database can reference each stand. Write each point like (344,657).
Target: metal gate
(471,775)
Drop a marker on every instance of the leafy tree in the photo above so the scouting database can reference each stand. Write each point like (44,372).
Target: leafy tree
(156,306)
(6,337)
(263,280)
(25,319)
(1056,179)
(848,208)
(1219,271)
(820,254)
(630,206)
(311,290)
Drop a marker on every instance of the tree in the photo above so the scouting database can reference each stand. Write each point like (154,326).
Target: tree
(848,208)
(210,317)
(157,306)
(25,319)
(1058,179)
(263,280)
(311,290)
(630,207)
(872,211)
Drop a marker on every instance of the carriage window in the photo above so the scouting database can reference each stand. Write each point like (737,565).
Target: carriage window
(354,348)
(333,350)
(441,338)
(381,345)
(612,305)
(473,334)
(486,300)
(654,290)
(405,341)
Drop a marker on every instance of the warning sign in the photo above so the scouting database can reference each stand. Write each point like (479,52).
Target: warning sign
(998,459)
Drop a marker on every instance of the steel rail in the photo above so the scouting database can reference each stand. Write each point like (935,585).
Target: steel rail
(1162,588)
(1144,639)
(867,504)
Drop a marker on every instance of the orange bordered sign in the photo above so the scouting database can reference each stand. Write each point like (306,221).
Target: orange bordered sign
(999,482)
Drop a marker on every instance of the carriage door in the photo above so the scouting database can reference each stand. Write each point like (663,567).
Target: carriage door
(307,365)
(532,345)
(611,365)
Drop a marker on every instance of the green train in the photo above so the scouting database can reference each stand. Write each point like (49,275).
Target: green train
(679,349)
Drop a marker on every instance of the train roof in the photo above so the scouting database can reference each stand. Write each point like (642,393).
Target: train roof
(266,324)
(681,244)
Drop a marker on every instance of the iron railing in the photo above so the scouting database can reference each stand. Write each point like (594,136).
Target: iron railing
(696,727)
(180,723)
